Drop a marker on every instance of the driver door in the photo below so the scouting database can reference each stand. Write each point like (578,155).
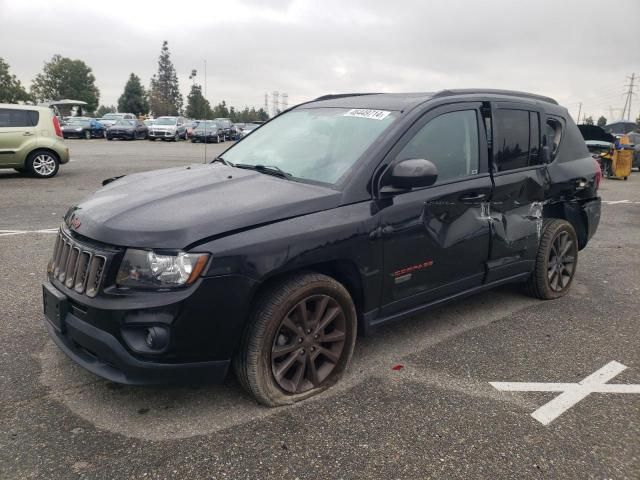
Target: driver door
(436,239)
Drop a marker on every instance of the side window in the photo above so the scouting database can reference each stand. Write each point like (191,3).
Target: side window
(553,135)
(511,144)
(450,141)
(18,118)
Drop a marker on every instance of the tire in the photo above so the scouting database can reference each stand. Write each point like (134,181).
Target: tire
(43,164)
(152,139)
(109,138)
(193,140)
(543,282)
(277,318)
(87,135)
(176,138)
(625,178)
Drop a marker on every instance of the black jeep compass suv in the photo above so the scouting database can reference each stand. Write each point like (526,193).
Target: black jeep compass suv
(337,216)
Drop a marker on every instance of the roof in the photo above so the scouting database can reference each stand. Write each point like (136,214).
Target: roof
(16,106)
(401,101)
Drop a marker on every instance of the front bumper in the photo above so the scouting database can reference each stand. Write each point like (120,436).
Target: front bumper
(205,323)
(168,134)
(103,355)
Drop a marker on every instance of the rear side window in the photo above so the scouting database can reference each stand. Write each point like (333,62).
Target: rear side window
(450,141)
(553,135)
(517,139)
(18,118)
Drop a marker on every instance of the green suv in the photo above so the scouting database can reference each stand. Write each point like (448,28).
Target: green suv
(31,140)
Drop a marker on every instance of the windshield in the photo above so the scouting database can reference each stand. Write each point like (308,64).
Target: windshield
(165,121)
(112,116)
(125,123)
(207,125)
(79,122)
(319,144)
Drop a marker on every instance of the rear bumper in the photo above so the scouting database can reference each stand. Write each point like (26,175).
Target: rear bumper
(102,354)
(591,211)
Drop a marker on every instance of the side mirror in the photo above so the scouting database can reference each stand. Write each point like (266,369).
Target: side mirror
(408,174)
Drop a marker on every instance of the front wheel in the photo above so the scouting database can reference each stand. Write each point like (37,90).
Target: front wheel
(556,261)
(43,164)
(299,341)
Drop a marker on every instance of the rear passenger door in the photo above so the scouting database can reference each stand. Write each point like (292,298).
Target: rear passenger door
(17,130)
(520,181)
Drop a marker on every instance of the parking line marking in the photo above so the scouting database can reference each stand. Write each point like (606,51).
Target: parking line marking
(4,233)
(572,393)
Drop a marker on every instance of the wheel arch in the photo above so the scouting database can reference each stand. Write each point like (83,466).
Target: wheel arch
(572,213)
(343,271)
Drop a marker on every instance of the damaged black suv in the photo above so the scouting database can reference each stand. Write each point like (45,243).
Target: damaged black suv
(337,216)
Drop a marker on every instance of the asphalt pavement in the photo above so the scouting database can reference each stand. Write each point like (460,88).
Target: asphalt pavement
(419,400)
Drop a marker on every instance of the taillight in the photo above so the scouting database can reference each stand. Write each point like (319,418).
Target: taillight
(598,173)
(56,126)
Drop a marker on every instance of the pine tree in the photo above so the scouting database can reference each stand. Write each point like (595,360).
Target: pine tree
(165,97)
(134,98)
(588,120)
(198,107)
(602,121)
(11,90)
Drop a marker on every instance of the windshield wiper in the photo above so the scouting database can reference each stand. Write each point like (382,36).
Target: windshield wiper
(268,169)
(222,160)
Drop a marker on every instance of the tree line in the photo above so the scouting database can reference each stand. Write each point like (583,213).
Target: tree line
(63,77)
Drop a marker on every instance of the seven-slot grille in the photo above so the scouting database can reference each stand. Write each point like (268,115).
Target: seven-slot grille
(77,267)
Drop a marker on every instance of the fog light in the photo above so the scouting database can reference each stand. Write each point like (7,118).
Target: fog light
(156,338)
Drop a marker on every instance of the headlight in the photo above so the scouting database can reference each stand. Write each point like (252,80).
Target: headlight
(78,129)
(149,269)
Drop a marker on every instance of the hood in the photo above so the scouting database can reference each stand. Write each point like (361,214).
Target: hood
(178,207)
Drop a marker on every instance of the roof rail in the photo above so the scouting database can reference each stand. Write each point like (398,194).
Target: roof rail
(492,91)
(343,95)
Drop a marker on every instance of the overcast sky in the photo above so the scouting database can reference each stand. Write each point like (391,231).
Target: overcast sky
(574,51)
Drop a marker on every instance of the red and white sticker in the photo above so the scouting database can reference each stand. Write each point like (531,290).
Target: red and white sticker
(367,113)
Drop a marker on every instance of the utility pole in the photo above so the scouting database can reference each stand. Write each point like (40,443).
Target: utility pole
(630,93)
(266,103)
(579,110)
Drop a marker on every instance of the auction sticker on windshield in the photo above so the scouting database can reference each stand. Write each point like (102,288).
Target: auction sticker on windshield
(367,113)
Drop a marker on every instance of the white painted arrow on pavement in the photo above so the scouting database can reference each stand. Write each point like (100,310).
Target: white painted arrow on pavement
(572,393)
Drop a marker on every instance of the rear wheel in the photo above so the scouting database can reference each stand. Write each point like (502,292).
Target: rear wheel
(43,164)
(299,341)
(556,261)
(87,135)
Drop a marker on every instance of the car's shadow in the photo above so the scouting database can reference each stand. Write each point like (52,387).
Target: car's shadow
(161,412)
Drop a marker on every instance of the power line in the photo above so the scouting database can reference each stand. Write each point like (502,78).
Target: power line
(630,94)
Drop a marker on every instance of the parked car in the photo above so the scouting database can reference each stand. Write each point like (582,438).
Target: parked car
(128,130)
(344,213)
(110,119)
(208,131)
(227,127)
(248,128)
(149,121)
(31,140)
(86,128)
(168,128)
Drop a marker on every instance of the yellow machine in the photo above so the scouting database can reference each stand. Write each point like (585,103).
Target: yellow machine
(618,161)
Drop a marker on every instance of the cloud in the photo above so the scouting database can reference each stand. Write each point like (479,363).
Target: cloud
(572,50)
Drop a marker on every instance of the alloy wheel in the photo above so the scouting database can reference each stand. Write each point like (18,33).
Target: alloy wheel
(44,164)
(562,259)
(308,344)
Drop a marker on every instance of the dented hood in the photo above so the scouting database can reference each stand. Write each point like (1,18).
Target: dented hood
(178,207)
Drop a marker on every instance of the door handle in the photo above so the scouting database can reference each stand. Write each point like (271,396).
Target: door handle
(473,197)
(27,134)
